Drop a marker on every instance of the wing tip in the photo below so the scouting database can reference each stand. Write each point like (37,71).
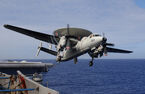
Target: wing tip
(129,52)
(5,25)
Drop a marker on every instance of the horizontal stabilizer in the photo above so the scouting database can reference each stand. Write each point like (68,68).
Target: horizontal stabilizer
(48,51)
(114,50)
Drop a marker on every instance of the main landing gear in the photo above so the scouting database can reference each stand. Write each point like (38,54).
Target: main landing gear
(91,62)
(75,60)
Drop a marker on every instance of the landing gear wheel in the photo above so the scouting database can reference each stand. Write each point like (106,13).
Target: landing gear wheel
(91,63)
(75,60)
(58,59)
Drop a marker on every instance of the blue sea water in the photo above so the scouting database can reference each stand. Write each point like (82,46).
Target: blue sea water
(107,76)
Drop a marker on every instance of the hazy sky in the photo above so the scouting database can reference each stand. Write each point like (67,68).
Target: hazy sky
(122,21)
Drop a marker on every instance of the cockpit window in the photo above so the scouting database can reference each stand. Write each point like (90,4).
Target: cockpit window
(96,35)
(92,35)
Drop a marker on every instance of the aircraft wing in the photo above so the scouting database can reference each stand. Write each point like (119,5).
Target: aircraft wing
(40,36)
(114,50)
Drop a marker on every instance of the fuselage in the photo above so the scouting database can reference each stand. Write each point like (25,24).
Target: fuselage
(82,47)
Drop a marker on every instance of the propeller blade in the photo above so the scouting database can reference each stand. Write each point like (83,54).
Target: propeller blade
(103,34)
(104,44)
(110,44)
(104,39)
(67,29)
(39,47)
(105,51)
(68,44)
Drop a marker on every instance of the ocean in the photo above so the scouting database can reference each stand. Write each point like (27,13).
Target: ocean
(106,76)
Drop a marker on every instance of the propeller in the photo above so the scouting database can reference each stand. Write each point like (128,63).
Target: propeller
(104,44)
(39,48)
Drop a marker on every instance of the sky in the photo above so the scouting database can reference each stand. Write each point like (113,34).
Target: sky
(122,21)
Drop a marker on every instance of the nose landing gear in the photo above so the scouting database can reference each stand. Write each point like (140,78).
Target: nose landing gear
(91,62)
(58,59)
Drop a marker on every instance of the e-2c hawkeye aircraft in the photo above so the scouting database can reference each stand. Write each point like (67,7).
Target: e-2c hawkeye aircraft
(71,43)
